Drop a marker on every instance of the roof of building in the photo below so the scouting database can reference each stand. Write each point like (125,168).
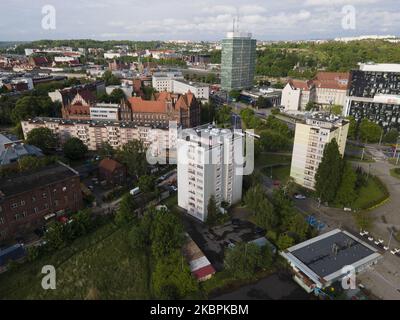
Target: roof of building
(110,164)
(322,258)
(12,149)
(204,272)
(12,253)
(300,84)
(332,80)
(26,181)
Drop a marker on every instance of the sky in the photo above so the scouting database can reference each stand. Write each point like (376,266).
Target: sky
(21,20)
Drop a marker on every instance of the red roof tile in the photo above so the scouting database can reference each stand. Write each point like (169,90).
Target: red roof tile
(109,164)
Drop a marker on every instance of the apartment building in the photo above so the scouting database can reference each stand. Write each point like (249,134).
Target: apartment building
(94,133)
(309,143)
(208,166)
(27,199)
(374,94)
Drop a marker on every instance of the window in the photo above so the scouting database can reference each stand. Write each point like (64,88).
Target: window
(14,205)
(44,195)
(33,199)
(35,210)
(22,202)
(2,220)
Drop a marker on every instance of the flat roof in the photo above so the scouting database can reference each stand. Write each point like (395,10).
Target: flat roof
(26,181)
(323,257)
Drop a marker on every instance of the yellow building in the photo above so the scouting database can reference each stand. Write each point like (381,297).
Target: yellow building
(310,139)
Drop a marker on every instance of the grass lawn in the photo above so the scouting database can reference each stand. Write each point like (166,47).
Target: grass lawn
(280,173)
(395,174)
(271,159)
(98,266)
(370,195)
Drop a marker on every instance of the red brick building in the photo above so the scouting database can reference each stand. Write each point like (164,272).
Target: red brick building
(28,197)
(78,108)
(185,109)
(112,171)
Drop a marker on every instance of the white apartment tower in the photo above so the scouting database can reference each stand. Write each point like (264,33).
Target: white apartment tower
(208,166)
(309,143)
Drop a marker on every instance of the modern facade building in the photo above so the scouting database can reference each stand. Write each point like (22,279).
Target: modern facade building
(309,143)
(200,90)
(238,61)
(28,197)
(319,262)
(374,94)
(162,81)
(208,166)
(105,111)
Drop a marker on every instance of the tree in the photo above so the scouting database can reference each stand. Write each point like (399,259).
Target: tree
(125,213)
(172,278)
(166,234)
(106,151)
(117,95)
(223,116)
(82,223)
(212,211)
(110,79)
(329,172)
(207,112)
(74,149)
(43,138)
(55,236)
(146,183)
(262,209)
(284,241)
(234,94)
(353,128)
(370,131)
(336,109)
(310,106)
(133,156)
(243,260)
(263,102)
(391,136)
(247,115)
(140,235)
(346,193)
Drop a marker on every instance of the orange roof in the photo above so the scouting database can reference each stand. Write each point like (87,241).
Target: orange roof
(332,80)
(140,105)
(300,84)
(185,101)
(109,164)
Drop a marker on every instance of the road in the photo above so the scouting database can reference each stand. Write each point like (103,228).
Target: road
(383,280)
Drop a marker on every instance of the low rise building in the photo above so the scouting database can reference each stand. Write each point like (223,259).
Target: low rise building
(319,262)
(199,265)
(111,171)
(27,198)
(13,149)
(310,139)
(297,94)
(201,91)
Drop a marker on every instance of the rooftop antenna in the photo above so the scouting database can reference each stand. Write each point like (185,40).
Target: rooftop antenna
(237,19)
(233,25)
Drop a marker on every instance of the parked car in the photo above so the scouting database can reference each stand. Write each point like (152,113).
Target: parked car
(370,238)
(395,251)
(135,191)
(300,196)
(347,209)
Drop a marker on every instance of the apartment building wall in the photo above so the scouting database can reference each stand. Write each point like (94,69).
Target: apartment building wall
(309,143)
(206,168)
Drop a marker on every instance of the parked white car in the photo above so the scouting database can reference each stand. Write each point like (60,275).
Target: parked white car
(371,238)
(300,197)
(394,251)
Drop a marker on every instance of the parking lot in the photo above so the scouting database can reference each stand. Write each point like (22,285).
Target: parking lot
(214,241)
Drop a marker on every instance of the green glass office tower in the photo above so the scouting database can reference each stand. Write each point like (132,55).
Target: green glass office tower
(238,61)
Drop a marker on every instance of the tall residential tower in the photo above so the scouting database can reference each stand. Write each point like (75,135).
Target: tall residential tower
(238,61)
